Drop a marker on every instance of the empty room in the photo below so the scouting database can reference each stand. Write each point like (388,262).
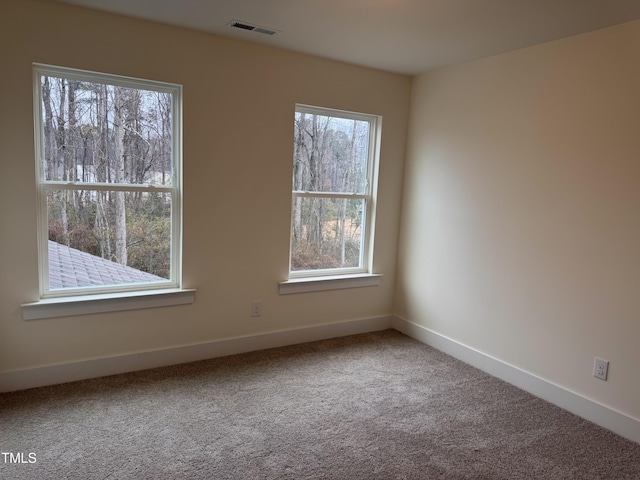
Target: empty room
(320,239)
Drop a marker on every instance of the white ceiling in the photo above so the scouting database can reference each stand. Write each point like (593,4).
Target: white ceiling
(405,36)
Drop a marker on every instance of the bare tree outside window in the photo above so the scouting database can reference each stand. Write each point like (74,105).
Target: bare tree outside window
(332,170)
(108,180)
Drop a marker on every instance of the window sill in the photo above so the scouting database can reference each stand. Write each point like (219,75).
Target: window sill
(336,282)
(112,302)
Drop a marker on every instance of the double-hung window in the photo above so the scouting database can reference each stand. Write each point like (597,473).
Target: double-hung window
(108,172)
(333,198)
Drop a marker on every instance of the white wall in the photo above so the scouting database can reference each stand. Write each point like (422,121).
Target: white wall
(520,225)
(237,185)
(520,234)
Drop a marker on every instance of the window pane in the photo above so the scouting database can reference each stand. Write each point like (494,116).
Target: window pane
(326,233)
(108,238)
(93,132)
(330,154)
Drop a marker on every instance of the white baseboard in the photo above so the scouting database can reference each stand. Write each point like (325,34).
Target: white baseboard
(604,416)
(101,367)
(595,412)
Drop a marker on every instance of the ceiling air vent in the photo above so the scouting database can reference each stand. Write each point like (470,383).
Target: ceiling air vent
(264,31)
(252,28)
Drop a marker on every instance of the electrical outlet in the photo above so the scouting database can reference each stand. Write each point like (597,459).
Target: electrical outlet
(600,368)
(256,309)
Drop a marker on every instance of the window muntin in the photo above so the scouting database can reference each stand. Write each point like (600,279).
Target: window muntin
(108,164)
(335,159)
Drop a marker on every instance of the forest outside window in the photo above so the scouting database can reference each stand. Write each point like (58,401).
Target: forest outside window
(334,184)
(108,166)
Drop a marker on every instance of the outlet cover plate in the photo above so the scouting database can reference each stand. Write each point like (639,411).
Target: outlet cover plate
(600,368)
(256,309)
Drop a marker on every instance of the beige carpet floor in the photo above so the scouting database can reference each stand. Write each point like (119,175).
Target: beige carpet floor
(372,406)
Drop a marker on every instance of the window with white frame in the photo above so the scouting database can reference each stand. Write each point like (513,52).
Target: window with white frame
(108,169)
(334,183)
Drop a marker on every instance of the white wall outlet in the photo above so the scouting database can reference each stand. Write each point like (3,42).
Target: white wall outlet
(256,309)
(600,368)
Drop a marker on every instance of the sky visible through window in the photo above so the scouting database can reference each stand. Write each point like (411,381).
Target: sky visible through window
(106,158)
(330,175)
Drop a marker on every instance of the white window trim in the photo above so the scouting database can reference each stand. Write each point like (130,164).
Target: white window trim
(334,282)
(108,302)
(335,278)
(44,185)
(88,300)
